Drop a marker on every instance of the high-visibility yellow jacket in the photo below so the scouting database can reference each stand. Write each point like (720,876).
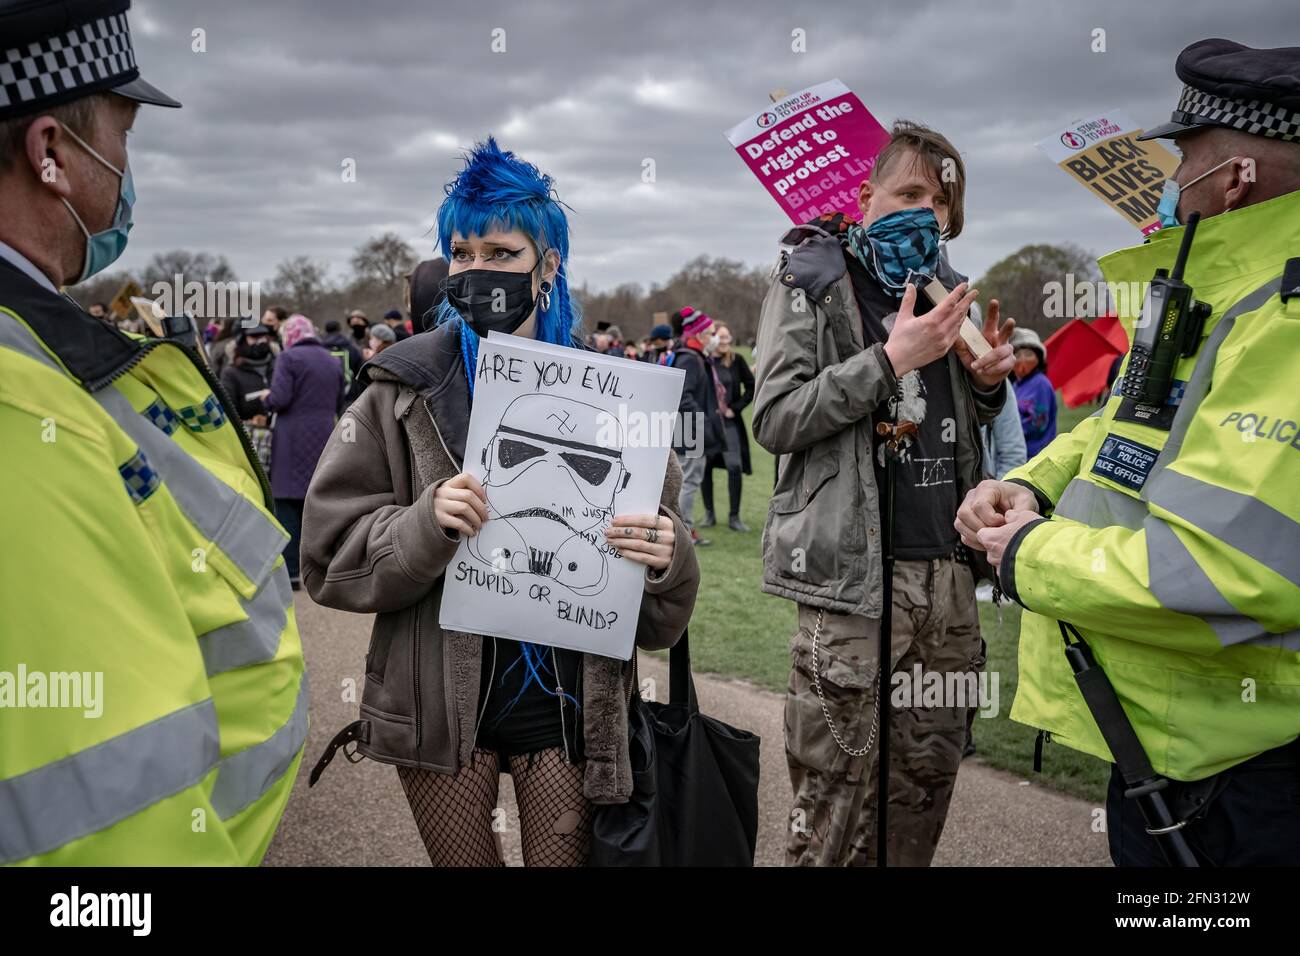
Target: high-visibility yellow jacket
(1177,552)
(153,700)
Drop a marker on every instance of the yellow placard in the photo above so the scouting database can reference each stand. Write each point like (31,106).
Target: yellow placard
(1103,155)
(121,304)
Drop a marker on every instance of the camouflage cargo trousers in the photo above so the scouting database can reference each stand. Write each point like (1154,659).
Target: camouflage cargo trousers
(935,626)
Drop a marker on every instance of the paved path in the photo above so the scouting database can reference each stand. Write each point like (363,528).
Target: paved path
(356,815)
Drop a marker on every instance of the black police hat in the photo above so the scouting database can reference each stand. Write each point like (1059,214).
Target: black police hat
(1233,85)
(57,51)
(258,329)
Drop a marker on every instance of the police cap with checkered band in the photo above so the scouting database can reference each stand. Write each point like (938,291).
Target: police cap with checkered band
(1233,85)
(57,51)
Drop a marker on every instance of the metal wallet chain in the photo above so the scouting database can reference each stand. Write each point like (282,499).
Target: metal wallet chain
(817,684)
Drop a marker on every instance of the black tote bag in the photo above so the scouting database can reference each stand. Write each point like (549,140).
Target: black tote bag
(694,785)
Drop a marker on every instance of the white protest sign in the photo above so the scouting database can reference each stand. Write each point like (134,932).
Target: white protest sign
(562,440)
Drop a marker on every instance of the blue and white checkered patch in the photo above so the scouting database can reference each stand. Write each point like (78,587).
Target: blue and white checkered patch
(163,417)
(205,418)
(139,477)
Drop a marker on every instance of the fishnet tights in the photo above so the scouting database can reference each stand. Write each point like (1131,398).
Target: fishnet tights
(454,813)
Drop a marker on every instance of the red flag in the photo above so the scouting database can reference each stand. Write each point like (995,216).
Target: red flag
(1080,354)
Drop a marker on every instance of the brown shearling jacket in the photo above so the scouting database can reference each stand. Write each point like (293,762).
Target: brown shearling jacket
(370,545)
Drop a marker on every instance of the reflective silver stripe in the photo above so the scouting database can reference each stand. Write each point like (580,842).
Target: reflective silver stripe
(233,523)
(1240,521)
(1290,641)
(15,336)
(247,775)
(1198,386)
(48,807)
(1176,579)
(1180,584)
(256,639)
(1099,507)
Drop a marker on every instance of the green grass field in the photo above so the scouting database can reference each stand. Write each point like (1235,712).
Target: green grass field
(739,631)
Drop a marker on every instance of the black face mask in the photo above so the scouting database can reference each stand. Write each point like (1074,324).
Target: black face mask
(359,332)
(255,352)
(475,292)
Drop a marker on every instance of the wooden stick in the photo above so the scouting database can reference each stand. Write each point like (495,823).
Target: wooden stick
(970,333)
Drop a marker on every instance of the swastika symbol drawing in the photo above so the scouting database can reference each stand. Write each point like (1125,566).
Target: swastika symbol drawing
(563,423)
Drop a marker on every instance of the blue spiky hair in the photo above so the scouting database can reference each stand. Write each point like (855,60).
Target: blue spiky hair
(497,190)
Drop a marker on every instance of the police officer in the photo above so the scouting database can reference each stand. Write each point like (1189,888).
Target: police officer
(1169,535)
(152,692)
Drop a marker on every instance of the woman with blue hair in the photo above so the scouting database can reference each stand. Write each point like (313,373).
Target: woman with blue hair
(390,503)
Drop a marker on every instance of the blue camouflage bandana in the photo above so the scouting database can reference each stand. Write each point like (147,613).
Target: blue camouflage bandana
(896,244)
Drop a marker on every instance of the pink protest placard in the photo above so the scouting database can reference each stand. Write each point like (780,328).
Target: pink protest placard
(812,150)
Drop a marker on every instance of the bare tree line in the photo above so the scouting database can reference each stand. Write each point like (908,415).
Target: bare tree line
(376,283)
(727,289)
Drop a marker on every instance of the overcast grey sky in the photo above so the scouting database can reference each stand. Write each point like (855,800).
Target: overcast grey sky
(287,90)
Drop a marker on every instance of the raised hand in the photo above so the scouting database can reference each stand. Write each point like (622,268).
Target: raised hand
(917,340)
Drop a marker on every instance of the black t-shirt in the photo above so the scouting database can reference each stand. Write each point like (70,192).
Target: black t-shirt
(925,493)
(534,722)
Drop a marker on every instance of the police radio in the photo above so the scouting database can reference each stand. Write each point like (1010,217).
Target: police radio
(181,328)
(1169,328)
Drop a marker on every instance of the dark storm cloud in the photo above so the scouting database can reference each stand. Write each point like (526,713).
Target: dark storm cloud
(287,91)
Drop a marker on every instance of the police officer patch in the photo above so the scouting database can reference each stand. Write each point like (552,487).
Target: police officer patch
(1124,462)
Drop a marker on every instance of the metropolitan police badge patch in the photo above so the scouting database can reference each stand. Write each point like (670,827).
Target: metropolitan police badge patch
(1124,462)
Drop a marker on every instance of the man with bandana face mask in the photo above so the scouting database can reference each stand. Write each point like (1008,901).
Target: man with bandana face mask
(845,344)
(126,472)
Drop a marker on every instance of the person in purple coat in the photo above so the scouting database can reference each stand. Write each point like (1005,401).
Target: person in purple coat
(1035,395)
(304,396)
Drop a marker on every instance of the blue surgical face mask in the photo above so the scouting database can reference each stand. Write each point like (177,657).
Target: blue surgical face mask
(104,248)
(903,242)
(1167,210)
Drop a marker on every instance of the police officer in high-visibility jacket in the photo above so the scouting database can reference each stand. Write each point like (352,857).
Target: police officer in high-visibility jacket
(152,690)
(1173,543)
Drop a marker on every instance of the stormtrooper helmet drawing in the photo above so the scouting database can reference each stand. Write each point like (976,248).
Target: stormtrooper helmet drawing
(550,488)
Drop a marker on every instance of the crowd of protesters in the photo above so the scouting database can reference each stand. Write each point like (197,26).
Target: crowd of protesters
(719,385)
(289,381)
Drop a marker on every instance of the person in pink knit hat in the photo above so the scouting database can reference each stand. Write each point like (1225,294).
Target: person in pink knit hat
(296,328)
